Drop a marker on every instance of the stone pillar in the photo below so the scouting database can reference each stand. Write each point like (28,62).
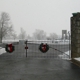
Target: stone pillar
(0,31)
(75,35)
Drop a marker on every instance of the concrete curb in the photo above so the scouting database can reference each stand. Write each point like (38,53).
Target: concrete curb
(76,62)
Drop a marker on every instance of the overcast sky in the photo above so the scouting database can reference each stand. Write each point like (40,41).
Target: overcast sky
(48,15)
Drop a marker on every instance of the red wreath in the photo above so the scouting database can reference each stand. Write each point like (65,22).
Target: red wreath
(43,48)
(9,48)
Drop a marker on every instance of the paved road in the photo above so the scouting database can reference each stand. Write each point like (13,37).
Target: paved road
(38,69)
(16,66)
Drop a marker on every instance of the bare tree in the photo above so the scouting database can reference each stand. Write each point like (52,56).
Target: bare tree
(14,35)
(48,38)
(39,35)
(29,37)
(52,36)
(5,25)
(22,34)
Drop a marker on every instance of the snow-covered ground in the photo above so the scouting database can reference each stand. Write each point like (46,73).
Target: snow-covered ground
(48,42)
(78,59)
(55,42)
(2,50)
(7,41)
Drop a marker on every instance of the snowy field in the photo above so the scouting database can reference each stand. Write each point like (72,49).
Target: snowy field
(7,41)
(55,42)
(39,41)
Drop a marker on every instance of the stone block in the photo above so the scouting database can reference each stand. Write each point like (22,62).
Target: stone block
(78,50)
(78,41)
(77,45)
(77,31)
(73,55)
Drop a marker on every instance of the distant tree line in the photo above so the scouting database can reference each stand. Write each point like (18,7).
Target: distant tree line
(37,35)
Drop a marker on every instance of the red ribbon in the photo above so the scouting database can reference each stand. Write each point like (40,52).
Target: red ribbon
(44,47)
(10,47)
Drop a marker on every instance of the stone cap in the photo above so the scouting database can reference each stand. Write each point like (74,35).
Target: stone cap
(76,14)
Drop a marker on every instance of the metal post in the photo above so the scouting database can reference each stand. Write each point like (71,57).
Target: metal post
(26,49)
(69,45)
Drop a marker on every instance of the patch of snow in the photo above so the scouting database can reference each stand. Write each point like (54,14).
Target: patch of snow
(78,59)
(2,50)
(66,55)
(68,52)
